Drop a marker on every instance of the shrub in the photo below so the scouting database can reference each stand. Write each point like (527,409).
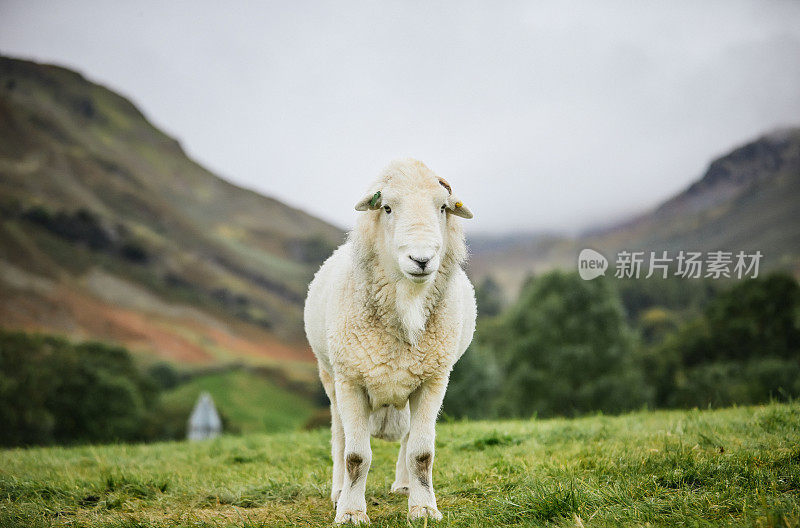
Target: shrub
(54,391)
(744,348)
(565,348)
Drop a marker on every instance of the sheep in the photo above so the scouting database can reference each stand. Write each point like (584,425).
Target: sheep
(387,316)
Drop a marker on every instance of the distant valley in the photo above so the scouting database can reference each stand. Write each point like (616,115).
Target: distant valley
(748,199)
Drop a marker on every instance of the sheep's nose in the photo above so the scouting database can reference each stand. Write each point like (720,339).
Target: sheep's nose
(421,261)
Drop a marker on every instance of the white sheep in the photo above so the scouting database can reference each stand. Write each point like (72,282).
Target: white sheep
(388,315)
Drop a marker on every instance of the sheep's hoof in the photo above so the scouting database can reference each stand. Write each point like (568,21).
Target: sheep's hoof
(335,496)
(423,512)
(352,517)
(399,489)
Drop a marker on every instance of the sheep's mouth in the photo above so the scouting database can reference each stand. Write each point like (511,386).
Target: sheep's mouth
(419,276)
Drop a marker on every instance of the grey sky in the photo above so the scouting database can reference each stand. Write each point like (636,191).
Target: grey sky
(546,115)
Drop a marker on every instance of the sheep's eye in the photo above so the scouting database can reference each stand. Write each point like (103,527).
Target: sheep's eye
(444,207)
(387,209)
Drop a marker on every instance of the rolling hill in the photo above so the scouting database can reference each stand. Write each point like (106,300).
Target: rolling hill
(108,230)
(746,200)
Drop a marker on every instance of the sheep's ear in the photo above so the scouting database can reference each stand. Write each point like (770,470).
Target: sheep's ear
(457,207)
(454,205)
(370,201)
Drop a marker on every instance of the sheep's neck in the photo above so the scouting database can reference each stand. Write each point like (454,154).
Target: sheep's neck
(411,303)
(401,304)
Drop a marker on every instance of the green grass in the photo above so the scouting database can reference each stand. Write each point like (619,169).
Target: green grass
(732,467)
(251,403)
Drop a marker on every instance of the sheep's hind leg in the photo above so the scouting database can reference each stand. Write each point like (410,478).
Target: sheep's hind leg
(337,437)
(351,508)
(337,453)
(400,485)
(425,404)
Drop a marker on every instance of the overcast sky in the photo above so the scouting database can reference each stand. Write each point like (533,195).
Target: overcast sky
(543,116)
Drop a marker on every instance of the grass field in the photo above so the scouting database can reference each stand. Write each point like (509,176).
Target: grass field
(251,403)
(733,467)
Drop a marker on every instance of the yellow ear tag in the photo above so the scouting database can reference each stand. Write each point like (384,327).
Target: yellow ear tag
(459,204)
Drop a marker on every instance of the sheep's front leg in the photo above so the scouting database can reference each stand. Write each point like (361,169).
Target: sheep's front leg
(425,404)
(354,412)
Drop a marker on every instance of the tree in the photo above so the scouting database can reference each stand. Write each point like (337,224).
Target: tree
(743,349)
(54,391)
(474,385)
(565,348)
(489,297)
(758,317)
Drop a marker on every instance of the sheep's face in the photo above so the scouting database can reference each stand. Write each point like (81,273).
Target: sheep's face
(414,224)
(414,207)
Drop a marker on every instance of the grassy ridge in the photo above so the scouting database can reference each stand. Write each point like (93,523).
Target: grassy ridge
(736,467)
(251,403)
(88,185)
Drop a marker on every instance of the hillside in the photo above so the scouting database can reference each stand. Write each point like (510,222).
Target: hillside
(746,200)
(109,231)
(732,467)
(250,403)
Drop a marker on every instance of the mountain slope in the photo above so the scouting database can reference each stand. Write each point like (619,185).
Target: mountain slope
(746,200)
(110,231)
